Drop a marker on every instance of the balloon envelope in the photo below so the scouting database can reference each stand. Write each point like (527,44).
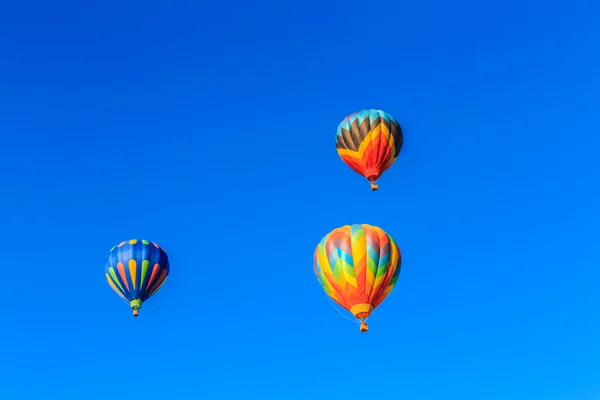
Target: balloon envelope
(369,142)
(357,266)
(136,270)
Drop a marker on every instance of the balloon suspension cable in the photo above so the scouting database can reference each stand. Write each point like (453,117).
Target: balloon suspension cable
(339,312)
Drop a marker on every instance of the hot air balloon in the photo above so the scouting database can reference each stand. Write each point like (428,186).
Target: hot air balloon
(358,266)
(369,142)
(136,270)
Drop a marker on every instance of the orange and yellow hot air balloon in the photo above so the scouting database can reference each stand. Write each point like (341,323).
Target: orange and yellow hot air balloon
(369,142)
(358,266)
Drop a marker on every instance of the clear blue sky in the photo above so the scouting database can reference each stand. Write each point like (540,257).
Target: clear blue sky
(209,129)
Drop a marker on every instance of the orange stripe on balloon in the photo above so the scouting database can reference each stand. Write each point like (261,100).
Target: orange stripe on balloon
(153,275)
(361,279)
(375,152)
(380,146)
(342,295)
(375,157)
(353,162)
(388,154)
(378,158)
(159,280)
(368,158)
(121,269)
(339,293)
(158,288)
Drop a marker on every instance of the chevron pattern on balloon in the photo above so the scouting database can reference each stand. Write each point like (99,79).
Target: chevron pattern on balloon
(357,264)
(369,142)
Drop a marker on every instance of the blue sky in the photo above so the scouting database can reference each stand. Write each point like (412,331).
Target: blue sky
(209,129)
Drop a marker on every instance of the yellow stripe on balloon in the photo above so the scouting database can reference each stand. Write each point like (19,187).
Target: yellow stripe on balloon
(379,130)
(349,278)
(112,285)
(345,276)
(372,135)
(352,281)
(342,280)
(133,272)
(325,267)
(336,298)
(370,278)
(111,270)
(347,152)
(329,277)
(329,286)
(387,290)
(395,255)
(379,280)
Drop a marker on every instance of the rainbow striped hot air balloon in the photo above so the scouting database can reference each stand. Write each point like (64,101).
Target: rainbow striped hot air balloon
(358,266)
(136,270)
(369,142)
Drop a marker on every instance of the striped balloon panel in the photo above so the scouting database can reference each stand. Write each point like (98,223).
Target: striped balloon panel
(357,264)
(369,142)
(136,269)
